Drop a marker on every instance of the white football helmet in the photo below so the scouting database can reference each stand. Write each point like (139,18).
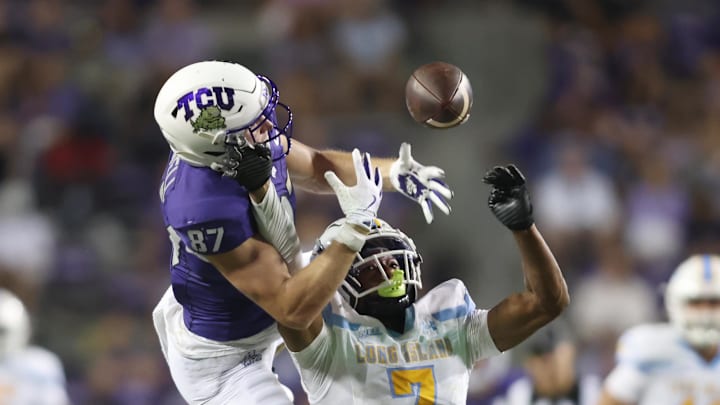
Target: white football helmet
(206,105)
(696,278)
(14,324)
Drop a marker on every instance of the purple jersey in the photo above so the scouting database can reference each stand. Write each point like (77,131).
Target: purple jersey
(206,213)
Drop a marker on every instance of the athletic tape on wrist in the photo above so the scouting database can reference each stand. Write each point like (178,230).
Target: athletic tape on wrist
(350,237)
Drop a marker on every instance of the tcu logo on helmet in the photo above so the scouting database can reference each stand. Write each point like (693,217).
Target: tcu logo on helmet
(223,97)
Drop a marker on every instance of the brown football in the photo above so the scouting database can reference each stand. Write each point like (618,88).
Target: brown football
(439,95)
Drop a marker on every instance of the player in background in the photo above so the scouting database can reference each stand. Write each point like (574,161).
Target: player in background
(231,177)
(674,363)
(548,359)
(28,374)
(377,344)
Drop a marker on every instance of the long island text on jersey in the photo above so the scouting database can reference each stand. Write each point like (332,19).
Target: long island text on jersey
(356,360)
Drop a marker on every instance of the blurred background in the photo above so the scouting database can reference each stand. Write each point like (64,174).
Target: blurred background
(610,107)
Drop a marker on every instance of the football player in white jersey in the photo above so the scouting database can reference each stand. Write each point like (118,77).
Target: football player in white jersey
(675,363)
(28,374)
(376,344)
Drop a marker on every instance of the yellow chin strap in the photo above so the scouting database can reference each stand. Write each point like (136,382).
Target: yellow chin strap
(395,286)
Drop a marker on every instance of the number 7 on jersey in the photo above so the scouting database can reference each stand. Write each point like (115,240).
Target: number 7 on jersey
(418,382)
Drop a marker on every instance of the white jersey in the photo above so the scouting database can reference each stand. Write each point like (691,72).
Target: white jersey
(356,360)
(32,376)
(656,366)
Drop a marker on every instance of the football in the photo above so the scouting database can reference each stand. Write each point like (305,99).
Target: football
(439,95)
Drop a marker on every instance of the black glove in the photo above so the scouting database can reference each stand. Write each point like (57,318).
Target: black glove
(251,167)
(509,199)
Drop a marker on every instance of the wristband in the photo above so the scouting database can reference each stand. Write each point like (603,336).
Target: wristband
(350,237)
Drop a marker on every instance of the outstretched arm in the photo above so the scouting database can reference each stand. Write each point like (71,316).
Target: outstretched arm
(519,315)
(307,167)
(422,184)
(259,271)
(298,339)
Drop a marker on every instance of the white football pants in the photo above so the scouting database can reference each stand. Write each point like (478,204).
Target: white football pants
(210,372)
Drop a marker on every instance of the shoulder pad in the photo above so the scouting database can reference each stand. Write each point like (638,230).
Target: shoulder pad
(39,358)
(203,196)
(649,346)
(448,300)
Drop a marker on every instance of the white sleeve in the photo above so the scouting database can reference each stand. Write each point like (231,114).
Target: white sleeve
(625,383)
(275,222)
(479,342)
(314,363)
(56,392)
(45,371)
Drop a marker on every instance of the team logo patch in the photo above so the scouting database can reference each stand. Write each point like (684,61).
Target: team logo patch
(251,357)
(210,119)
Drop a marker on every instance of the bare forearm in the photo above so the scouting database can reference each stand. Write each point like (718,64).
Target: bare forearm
(542,274)
(341,163)
(258,271)
(298,339)
(520,315)
(310,289)
(384,165)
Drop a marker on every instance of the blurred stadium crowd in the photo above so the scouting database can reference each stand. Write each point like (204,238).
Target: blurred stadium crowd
(611,107)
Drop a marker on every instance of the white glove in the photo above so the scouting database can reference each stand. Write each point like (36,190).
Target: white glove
(360,202)
(420,183)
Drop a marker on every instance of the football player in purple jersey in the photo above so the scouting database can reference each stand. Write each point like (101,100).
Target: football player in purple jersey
(230,181)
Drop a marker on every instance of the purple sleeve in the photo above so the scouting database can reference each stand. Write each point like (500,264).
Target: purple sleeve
(211,213)
(215,237)
(217,226)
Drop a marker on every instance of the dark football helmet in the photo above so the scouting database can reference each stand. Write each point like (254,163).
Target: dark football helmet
(385,277)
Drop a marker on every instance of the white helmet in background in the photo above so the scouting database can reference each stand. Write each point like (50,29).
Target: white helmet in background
(206,105)
(14,324)
(692,299)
